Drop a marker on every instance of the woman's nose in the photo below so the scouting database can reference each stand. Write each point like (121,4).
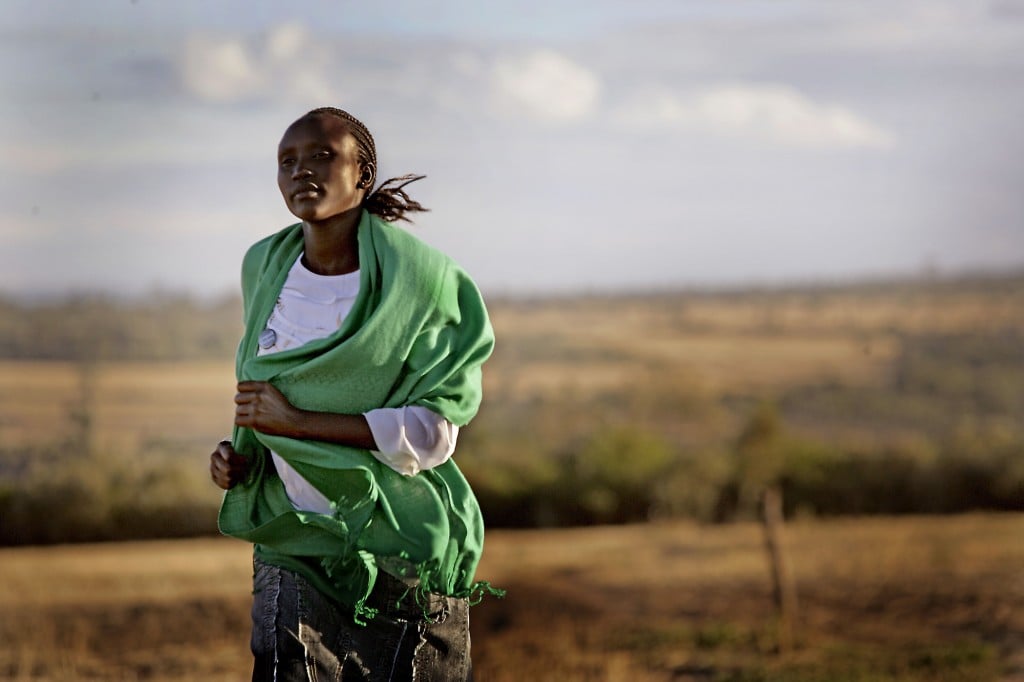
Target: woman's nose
(300,171)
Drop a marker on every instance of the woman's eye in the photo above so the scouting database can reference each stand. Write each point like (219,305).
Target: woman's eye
(322,155)
(286,162)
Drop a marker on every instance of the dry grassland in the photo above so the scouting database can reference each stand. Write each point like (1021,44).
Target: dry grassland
(752,343)
(139,406)
(881,599)
(132,405)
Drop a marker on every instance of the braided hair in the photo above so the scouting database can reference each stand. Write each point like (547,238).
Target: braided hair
(389,201)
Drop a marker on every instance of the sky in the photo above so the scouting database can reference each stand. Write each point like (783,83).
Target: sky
(570,146)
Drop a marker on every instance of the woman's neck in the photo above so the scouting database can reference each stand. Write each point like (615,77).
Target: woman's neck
(332,245)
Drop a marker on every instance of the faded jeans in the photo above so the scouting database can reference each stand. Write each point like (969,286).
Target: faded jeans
(298,634)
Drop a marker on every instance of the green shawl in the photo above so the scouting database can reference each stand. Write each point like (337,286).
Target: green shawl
(417,334)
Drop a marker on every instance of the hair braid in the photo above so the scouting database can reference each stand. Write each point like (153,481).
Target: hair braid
(389,201)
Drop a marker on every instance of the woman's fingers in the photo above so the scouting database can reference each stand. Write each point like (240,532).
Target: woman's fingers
(249,390)
(227,467)
(260,406)
(246,402)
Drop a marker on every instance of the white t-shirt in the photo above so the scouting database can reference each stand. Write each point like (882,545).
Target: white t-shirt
(411,439)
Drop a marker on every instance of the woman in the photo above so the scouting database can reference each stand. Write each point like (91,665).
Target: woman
(360,360)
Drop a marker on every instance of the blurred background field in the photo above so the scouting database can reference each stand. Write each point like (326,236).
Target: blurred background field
(628,437)
(899,397)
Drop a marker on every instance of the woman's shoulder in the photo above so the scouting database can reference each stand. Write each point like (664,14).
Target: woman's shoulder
(270,252)
(405,255)
(418,267)
(272,242)
(404,242)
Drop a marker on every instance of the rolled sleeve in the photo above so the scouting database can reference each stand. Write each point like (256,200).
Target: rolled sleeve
(411,439)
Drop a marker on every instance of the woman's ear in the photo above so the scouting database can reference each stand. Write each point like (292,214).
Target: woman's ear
(366,177)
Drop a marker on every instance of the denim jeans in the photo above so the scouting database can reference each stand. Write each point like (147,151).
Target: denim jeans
(298,634)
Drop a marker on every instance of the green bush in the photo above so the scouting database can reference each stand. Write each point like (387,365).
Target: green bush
(89,498)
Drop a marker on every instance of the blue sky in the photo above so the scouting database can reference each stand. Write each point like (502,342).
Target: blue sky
(569,146)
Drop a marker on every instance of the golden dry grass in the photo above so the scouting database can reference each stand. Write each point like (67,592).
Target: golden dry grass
(754,343)
(131,404)
(134,405)
(653,602)
(716,362)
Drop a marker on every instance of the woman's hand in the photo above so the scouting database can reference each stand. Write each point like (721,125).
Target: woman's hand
(261,407)
(227,467)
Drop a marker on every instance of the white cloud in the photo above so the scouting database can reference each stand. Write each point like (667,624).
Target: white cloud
(220,70)
(284,65)
(291,65)
(545,85)
(772,113)
(285,42)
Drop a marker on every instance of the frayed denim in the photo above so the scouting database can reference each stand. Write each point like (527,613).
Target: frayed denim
(300,635)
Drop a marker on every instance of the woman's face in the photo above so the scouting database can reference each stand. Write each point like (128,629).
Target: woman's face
(318,170)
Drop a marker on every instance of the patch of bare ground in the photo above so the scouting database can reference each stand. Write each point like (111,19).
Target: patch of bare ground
(939,598)
(881,599)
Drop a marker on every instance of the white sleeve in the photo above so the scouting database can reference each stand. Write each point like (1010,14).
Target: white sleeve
(411,439)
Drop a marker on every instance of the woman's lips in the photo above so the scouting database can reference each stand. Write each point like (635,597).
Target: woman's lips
(306,192)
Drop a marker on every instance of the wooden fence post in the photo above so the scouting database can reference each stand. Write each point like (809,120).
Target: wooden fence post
(783,584)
